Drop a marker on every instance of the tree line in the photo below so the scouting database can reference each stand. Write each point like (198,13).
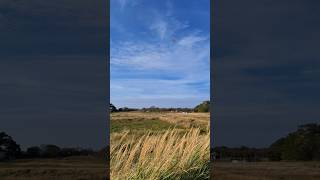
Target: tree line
(203,107)
(301,145)
(9,150)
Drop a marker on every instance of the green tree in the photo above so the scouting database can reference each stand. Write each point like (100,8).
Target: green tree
(303,144)
(34,151)
(50,151)
(203,107)
(8,146)
(113,108)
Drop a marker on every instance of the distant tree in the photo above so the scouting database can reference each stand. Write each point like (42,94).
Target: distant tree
(8,147)
(65,152)
(33,152)
(113,108)
(154,109)
(126,109)
(303,144)
(276,149)
(87,152)
(203,107)
(50,151)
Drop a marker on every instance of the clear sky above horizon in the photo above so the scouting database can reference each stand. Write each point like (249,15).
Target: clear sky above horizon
(159,53)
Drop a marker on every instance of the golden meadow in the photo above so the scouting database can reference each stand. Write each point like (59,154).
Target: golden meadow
(162,145)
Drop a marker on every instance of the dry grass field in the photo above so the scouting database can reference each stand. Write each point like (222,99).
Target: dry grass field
(266,171)
(133,135)
(141,120)
(75,168)
(162,145)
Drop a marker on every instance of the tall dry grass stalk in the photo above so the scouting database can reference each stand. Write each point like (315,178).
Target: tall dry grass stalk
(153,156)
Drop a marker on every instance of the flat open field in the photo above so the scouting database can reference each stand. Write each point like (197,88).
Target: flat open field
(158,121)
(266,171)
(54,169)
(159,145)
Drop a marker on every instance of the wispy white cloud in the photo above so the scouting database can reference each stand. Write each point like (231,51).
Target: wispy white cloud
(186,64)
(161,27)
(191,40)
(167,56)
(166,25)
(144,91)
(125,3)
(169,69)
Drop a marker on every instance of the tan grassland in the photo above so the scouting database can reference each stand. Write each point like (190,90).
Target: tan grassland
(75,168)
(180,151)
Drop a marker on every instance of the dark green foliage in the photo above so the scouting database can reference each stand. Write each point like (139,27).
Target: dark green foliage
(126,109)
(65,152)
(123,109)
(239,153)
(50,151)
(203,107)
(9,149)
(33,152)
(157,109)
(304,144)
(113,108)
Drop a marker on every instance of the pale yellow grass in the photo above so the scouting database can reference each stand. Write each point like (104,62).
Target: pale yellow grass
(168,155)
(187,120)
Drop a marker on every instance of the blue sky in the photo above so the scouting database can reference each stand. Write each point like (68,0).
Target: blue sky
(160,53)
(266,57)
(52,72)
